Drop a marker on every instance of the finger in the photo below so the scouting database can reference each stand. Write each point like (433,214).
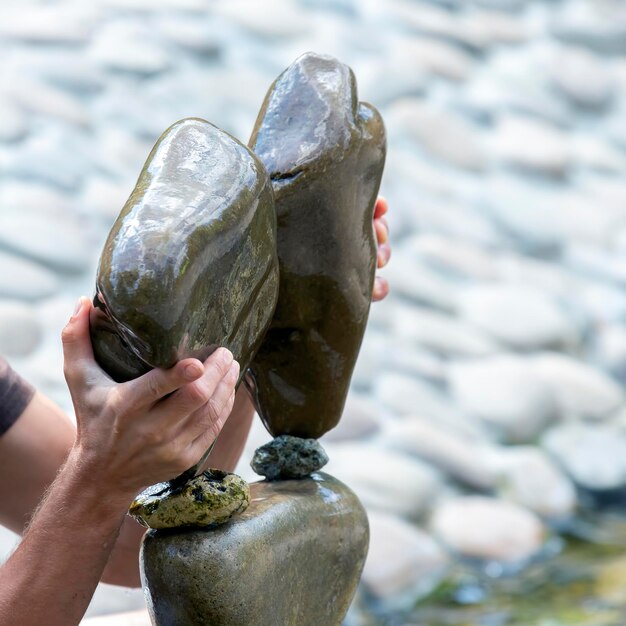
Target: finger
(207,435)
(211,415)
(158,383)
(382,232)
(381,289)
(384,254)
(194,395)
(381,207)
(79,363)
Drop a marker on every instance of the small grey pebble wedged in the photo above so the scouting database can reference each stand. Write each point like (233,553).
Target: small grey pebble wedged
(292,558)
(289,457)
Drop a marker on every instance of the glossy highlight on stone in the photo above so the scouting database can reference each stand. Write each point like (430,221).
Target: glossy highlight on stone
(292,558)
(325,153)
(190,263)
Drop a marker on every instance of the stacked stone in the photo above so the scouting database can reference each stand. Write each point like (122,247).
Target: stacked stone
(491,377)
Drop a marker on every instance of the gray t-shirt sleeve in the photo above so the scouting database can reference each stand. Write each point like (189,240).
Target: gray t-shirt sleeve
(15,394)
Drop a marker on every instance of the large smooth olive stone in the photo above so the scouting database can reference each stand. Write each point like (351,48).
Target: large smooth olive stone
(292,558)
(325,153)
(190,263)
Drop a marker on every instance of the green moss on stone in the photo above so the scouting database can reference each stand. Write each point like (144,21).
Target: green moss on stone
(207,500)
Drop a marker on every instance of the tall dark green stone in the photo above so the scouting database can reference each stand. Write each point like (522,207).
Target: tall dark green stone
(190,263)
(325,153)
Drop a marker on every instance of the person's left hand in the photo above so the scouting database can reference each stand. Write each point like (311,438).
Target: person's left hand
(381,228)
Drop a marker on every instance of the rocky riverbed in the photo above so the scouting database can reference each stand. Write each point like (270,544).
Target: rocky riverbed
(486,428)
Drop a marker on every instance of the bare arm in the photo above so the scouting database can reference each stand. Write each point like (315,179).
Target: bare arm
(32,452)
(128,436)
(123,565)
(35,448)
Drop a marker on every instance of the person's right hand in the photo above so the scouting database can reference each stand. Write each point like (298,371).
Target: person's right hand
(151,429)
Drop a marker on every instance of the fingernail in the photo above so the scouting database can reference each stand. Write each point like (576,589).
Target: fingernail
(227,356)
(235,367)
(192,371)
(78,307)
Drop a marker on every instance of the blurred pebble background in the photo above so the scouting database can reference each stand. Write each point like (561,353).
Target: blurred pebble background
(486,428)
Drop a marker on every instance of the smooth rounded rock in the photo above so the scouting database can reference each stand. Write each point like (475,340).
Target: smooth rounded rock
(28,234)
(528,477)
(41,98)
(580,390)
(582,77)
(593,455)
(123,47)
(583,24)
(609,350)
(13,121)
(420,283)
(404,563)
(309,536)
(406,395)
(458,454)
(522,317)
(25,280)
(441,133)
(360,420)
(325,161)
(441,333)
(190,263)
(385,480)
(532,144)
(20,328)
(488,529)
(506,394)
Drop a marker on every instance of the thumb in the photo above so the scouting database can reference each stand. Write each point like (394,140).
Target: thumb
(77,351)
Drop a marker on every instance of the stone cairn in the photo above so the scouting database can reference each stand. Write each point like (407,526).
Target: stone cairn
(290,298)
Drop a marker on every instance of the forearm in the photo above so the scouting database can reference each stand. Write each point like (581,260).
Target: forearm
(53,573)
(122,566)
(234,434)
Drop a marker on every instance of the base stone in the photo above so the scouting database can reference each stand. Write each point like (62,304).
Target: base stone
(293,558)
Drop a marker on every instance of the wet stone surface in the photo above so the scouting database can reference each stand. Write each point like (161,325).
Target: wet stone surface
(502,338)
(210,499)
(201,577)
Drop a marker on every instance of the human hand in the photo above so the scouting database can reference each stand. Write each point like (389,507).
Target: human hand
(381,228)
(134,434)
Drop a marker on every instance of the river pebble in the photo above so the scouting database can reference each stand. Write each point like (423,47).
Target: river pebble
(580,390)
(408,395)
(522,317)
(441,333)
(528,477)
(488,529)
(441,133)
(20,330)
(403,562)
(24,279)
(457,451)
(593,455)
(582,77)
(384,480)
(506,393)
